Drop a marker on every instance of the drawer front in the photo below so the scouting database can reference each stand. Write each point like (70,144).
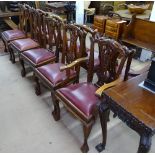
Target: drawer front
(111,34)
(111,23)
(98,24)
(111,29)
(100,29)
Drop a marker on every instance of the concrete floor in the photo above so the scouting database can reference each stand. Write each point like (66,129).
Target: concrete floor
(27,124)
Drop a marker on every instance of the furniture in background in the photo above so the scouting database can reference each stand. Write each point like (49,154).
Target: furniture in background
(134,106)
(80,99)
(126,15)
(111,25)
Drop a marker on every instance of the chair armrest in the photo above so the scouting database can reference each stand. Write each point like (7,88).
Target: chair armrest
(106,86)
(74,63)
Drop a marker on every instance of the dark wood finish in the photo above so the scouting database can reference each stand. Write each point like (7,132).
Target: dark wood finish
(134,106)
(134,33)
(108,71)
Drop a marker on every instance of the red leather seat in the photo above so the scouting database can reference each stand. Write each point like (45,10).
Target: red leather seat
(24,44)
(39,56)
(53,74)
(81,95)
(13,35)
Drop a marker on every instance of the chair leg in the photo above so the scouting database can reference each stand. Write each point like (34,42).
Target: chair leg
(23,71)
(13,56)
(86,131)
(37,87)
(56,111)
(5,49)
(10,53)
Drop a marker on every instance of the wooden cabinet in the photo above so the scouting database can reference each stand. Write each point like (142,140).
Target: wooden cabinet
(114,28)
(99,23)
(109,26)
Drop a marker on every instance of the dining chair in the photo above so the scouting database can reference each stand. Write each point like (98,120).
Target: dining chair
(20,45)
(79,98)
(19,33)
(51,37)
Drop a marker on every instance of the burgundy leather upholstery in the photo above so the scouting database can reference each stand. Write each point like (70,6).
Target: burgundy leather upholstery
(39,55)
(24,44)
(82,96)
(53,74)
(13,35)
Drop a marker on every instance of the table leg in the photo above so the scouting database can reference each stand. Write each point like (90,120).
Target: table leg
(104,116)
(145,143)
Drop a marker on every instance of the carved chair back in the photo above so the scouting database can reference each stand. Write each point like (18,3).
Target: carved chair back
(89,33)
(112,57)
(73,39)
(24,18)
(54,26)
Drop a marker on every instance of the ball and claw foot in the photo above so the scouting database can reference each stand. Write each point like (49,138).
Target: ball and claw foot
(84,148)
(100,147)
(37,91)
(23,73)
(56,116)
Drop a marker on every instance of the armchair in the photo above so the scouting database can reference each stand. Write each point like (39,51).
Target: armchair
(80,99)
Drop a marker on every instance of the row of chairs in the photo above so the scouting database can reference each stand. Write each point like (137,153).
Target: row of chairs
(56,51)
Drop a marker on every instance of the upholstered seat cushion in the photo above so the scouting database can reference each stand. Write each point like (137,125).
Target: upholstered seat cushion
(38,56)
(82,96)
(53,74)
(13,35)
(24,44)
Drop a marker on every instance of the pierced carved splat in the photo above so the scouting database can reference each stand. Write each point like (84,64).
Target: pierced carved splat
(112,57)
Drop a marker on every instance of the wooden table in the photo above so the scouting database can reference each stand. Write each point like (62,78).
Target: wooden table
(133,105)
(126,15)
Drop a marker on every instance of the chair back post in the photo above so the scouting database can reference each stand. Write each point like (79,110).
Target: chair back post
(21,16)
(88,32)
(57,25)
(72,47)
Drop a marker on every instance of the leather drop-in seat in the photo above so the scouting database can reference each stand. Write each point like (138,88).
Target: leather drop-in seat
(10,35)
(53,74)
(39,56)
(24,44)
(82,96)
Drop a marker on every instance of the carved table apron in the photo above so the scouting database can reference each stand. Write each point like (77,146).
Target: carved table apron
(108,103)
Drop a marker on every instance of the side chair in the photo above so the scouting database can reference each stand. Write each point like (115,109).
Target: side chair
(51,36)
(15,34)
(20,45)
(50,74)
